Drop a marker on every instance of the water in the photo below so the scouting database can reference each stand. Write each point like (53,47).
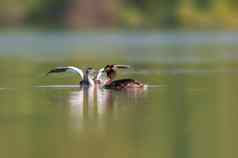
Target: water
(188,110)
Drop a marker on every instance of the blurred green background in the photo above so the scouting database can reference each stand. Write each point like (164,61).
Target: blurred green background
(120,14)
(184,50)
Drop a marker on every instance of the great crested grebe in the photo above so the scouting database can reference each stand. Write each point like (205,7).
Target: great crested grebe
(87,77)
(102,76)
(121,84)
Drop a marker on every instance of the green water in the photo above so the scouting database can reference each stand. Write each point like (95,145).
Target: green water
(189,109)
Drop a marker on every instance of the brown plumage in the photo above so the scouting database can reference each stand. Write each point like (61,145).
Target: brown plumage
(121,84)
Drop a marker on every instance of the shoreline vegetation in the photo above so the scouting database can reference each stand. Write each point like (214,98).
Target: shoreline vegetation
(89,15)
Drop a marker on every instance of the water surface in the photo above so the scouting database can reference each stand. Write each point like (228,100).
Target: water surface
(188,110)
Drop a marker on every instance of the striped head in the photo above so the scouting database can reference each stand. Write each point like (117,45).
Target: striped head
(110,71)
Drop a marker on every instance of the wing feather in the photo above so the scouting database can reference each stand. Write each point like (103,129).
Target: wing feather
(122,66)
(67,69)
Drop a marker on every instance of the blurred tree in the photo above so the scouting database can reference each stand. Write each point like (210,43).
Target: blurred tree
(136,3)
(203,4)
(12,13)
(47,12)
(92,14)
(155,13)
(233,4)
(116,13)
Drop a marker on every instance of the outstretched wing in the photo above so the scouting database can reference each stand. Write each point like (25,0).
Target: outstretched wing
(115,67)
(67,69)
(121,66)
(101,73)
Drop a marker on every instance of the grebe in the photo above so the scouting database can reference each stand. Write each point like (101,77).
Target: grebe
(102,76)
(87,77)
(122,84)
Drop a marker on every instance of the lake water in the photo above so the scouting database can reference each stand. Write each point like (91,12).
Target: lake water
(188,110)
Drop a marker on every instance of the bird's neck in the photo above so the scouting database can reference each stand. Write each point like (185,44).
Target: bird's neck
(85,77)
(88,79)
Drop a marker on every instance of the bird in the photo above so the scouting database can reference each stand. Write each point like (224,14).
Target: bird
(103,76)
(121,84)
(87,77)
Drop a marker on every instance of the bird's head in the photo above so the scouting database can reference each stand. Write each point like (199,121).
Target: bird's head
(110,70)
(91,73)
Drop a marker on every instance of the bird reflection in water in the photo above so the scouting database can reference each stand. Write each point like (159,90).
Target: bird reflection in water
(94,103)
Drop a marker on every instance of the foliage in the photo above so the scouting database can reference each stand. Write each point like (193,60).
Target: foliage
(196,14)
